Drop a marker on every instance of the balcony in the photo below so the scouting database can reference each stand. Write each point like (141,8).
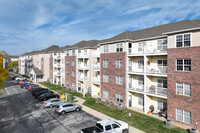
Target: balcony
(95,55)
(160,70)
(57,57)
(83,55)
(81,66)
(96,80)
(96,67)
(156,90)
(81,78)
(147,50)
(137,89)
(137,70)
(57,73)
(57,65)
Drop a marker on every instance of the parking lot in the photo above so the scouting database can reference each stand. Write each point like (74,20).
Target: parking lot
(20,112)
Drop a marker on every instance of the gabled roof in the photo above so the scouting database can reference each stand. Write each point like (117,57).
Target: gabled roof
(12,56)
(87,44)
(37,71)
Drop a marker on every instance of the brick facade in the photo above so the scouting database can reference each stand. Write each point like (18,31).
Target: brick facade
(174,101)
(112,71)
(51,69)
(69,78)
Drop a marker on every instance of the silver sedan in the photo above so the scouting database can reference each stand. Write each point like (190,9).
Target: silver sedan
(53,102)
(67,107)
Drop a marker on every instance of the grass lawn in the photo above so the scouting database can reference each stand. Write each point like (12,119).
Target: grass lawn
(61,90)
(137,120)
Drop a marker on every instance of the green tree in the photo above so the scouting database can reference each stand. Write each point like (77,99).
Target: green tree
(13,64)
(3,72)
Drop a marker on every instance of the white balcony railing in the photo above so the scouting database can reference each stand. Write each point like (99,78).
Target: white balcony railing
(156,90)
(96,67)
(57,57)
(148,50)
(136,88)
(95,55)
(83,55)
(136,70)
(96,80)
(57,65)
(81,66)
(81,78)
(159,70)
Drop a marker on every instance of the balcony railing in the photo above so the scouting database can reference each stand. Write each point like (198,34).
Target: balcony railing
(57,65)
(136,70)
(96,67)
(81,66)
(95,55)
(96,80)
(138,88)
(57,57)
(159,70)
(148,50)
(83,55)
(156,90)
(83,78)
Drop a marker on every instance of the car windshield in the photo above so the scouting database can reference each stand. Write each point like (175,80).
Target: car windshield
(57,106)
(99,126)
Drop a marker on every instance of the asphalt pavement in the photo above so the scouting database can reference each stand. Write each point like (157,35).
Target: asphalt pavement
(20,112)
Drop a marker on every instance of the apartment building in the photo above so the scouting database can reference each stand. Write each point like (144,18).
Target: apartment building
(154,69)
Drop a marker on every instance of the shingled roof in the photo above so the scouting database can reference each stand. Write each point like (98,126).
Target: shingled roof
(37,71)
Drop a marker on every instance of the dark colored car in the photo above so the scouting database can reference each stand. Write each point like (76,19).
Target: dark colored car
(35,89)
(40,92)
(47,96)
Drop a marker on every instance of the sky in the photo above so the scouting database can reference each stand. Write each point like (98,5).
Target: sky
(27,25)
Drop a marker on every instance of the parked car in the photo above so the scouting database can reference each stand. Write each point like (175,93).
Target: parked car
(19,78)
(31,86)
(27,85)
(67,107)
(47,96)
(14,76)
(108,126)
(35,89)
(23,81)
(23,85)
(53,102)
(40,92)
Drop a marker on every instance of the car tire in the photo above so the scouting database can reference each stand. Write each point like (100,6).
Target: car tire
(125,131)
(77,109)
(51,106)
(63,112)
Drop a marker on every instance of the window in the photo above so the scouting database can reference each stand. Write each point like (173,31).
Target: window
(85,51)
(73,74)
(183,40)
(141,64)
(106,50)
(72,63)
(161,105)
(106,94)
(108,127)
(119,80)
(115,126)
(67,53)
(119,63)
(141,46)
(119,47)
(105,78)
(105,63)
(183,116)
(183,89)
(119,98)
(67,63)
(67,72)
(161,83)
(73,85)
(140,81)
(73,52)
(183,64)
(140,100)
(79,51)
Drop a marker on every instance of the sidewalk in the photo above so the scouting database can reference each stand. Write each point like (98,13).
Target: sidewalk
(98,114)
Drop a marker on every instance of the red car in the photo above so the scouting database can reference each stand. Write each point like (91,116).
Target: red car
(23,82)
